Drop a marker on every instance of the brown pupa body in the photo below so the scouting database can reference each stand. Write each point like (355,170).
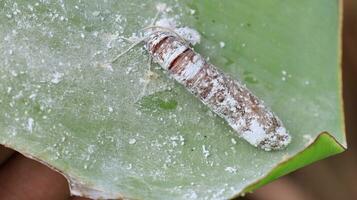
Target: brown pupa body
(228,98)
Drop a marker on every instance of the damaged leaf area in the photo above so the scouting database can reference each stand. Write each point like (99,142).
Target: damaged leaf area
(116,131)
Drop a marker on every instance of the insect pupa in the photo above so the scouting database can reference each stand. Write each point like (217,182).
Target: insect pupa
(228,98)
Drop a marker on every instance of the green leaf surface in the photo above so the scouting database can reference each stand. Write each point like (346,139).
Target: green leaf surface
(114,131)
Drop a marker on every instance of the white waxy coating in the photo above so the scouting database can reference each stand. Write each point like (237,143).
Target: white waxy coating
(166,22)
(189,34)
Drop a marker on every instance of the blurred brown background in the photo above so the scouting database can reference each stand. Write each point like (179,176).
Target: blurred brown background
(331,179)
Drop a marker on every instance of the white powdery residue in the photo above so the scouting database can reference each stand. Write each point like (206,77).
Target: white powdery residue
(308,138)
(32,96)
(128,70)
(91,148)
(219,194)
(56,77)
(161,7)
(192,11)
(205,151)
(167,23)
(190,35)
(285,157)
(132,141)
(190,195)
(13,73)
(307,82)
(182,140)
(233,141)
(256,134)
(110,109)
(130,166)
(222,44)
(30,124)
(107,66)
(9,89)
(231,170)
(179,138)
(96,13)
(18,95)
(285,76)
(174,139)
